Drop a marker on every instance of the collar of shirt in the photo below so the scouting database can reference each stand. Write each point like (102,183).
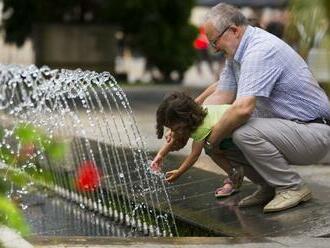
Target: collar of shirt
(243,44)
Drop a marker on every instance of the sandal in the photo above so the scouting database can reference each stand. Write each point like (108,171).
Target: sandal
(225,191)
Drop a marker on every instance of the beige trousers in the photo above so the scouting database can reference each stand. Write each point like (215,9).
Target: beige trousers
(267,147)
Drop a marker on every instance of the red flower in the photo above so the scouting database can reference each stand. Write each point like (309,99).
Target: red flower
(88,176)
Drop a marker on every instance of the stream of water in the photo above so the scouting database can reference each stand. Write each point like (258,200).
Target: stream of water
(81,134)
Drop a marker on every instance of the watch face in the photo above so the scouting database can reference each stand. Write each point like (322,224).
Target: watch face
(208,145)
(207,148)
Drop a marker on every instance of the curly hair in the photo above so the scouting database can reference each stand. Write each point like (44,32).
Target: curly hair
(179,107)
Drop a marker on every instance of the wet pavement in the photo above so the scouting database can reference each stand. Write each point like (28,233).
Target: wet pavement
(50,215)
(193,201)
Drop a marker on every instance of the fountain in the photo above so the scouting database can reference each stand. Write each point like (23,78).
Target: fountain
(77,128)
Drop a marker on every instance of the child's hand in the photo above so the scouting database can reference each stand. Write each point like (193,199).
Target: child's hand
(172,175)
(157,163)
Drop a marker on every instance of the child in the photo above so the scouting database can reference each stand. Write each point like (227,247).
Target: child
(185,118)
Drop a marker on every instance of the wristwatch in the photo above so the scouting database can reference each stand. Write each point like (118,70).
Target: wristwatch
(208,145)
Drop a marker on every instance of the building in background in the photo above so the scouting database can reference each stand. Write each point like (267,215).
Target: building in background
(72,46)
(63,45)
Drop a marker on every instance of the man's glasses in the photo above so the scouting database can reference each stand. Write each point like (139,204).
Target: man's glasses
(214,42)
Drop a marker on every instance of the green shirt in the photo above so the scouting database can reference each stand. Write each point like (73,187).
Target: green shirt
(214,113)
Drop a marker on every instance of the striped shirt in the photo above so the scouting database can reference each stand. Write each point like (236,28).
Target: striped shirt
(266,67)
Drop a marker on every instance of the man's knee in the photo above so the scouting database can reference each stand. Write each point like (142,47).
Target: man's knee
(241,134)
(245,133)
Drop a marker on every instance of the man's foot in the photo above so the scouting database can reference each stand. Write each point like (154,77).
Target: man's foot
(262,196)
(226,190)
(288,199)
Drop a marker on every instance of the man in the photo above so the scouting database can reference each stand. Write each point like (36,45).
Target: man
(279,115)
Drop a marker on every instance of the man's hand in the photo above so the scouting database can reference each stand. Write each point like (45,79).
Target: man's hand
(157,163)
(172,175)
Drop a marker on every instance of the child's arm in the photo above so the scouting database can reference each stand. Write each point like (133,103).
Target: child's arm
(157,162)
(196,150)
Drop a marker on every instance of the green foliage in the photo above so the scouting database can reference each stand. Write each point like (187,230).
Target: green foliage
(6,156)
(19,166)
(327,8)
(2,133)
(12,217)
(19,177)
(160,29)
(309,21)
(4,186)
(56,149)
(168,49)
(26,133)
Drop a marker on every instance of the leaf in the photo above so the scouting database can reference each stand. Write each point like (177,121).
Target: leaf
(12,217)
(56,150)
(26,133)
(6,156)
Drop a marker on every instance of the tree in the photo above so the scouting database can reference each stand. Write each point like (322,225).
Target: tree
(160,29)
(327,7)
(309,19)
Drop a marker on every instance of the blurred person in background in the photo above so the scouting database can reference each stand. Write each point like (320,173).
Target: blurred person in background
(201,44)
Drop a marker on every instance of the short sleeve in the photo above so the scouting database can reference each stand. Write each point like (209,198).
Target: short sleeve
(200,134)
(227,81)
(259,73)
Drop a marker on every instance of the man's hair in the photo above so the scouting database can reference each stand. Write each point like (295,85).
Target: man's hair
(179,108)
(223,15)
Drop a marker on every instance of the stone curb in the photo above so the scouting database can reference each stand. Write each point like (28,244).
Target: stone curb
(11,239)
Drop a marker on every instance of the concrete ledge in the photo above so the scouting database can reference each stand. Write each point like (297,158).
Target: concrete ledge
(11,239)
(197,242)
(82,240)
